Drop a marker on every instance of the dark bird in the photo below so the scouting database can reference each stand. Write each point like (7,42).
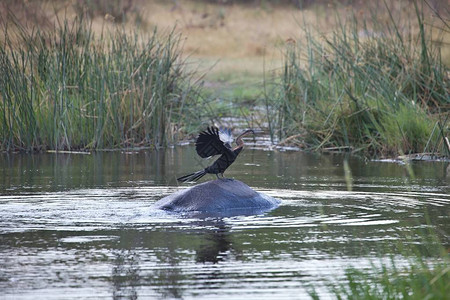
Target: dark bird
(212,142)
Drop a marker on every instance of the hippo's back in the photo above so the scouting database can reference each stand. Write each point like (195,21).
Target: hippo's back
(217,195)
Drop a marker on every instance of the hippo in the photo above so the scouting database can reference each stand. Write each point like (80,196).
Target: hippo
(218,197)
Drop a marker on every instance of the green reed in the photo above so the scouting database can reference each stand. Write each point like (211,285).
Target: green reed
(424,273)
(419,280)
(379,87)
(67,88)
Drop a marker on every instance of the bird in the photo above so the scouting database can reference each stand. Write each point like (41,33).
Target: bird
(215,141)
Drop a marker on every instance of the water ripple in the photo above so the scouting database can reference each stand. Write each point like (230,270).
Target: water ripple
(91,209)
(96,240)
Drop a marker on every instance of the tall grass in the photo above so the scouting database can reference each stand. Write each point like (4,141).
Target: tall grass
(424,273)
(67,88)
(419,280)
(379,87)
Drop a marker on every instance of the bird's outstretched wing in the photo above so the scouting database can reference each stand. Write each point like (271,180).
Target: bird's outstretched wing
(209,143)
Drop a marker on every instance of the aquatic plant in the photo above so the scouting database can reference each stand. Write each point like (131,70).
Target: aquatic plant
(424,274)
(379,87)
(66,88)
(416,281)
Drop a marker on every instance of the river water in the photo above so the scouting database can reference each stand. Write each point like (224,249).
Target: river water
(75,226)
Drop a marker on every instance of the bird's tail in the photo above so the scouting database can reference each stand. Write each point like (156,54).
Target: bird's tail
(192,177)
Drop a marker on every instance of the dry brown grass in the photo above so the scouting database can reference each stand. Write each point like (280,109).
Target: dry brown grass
(232,38)
(238,38)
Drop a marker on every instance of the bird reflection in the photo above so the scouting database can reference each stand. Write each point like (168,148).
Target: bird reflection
(217,246)
(125,275)
(167,278)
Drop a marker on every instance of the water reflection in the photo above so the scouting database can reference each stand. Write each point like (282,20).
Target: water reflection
(217,244)
(292,170)
(125,274)
(82,225)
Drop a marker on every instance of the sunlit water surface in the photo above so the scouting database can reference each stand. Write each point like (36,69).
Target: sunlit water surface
(82,226)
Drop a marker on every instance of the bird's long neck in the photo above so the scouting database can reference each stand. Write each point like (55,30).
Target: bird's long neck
(239,141)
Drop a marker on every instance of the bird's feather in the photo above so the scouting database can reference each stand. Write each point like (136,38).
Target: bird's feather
(192,177)
(209,143)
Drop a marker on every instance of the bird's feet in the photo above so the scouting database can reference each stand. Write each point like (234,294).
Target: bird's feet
(223,178)
(226,178)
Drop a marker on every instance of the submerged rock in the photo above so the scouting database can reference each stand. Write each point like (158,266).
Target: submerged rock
(218,196)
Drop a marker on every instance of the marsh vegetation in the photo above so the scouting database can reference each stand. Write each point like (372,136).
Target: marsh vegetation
(376,84)
(371,86)
(67,88)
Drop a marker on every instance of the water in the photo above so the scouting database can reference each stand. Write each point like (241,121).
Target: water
(81,226)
